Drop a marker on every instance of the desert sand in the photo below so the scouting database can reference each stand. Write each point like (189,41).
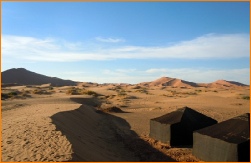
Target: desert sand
(106,122)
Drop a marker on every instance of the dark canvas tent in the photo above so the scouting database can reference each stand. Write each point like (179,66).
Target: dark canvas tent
(225,141)
(176,128)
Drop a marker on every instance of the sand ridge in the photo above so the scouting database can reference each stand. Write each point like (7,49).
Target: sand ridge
(29,134)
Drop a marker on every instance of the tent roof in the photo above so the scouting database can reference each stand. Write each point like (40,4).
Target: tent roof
(235,130)
(183,114)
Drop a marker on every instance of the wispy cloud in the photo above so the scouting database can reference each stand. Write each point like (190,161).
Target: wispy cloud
(156,70)
(49,49)
(109,40)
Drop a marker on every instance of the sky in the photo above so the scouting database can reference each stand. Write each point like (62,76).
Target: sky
(128,42)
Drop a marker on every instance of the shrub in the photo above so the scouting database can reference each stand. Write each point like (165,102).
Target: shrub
(36,91)
(142,90)
(173,92)
(246,97)
(136,87)
(190,93)
(121,92)
(4,96)
(72,92)
(112,109)
(77,91)
(13,94)
(27,92)
(89,92)
(131,97)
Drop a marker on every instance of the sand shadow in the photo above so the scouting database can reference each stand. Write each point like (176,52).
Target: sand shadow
(141,149)
(102,136)
(104,111)
(95,102)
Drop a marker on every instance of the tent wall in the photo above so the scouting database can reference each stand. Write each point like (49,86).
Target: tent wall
(160,132)
(210,149)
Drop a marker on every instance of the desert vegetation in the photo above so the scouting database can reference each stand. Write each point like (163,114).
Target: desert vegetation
(246,97)
(78,91)
(113,113)
(15,94)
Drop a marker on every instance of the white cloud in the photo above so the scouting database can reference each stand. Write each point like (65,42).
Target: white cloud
(49,49)
(109,40)
(156,70)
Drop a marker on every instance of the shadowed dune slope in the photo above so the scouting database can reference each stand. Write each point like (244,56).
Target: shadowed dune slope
(98,136)
(90,136)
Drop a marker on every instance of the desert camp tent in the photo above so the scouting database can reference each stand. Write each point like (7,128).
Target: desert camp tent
(225,141)
(176,128)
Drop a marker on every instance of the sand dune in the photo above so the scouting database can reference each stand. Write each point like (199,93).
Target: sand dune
(94,140)
(34,139)
(167,81)
(45,123)
(69,129)
(224,84)
(21,76)
(76,133)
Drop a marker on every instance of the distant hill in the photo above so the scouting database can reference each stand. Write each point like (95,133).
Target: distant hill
(25,77)
(21,76)
(167,81)
(174,82)
(225,83)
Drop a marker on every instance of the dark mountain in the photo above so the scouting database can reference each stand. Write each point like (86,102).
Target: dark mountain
(26,77)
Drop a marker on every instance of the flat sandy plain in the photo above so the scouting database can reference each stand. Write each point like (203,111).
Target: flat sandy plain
(45,123)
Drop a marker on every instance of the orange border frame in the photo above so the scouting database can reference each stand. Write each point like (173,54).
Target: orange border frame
(105,1)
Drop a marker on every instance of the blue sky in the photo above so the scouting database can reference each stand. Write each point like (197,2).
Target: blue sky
(128,42)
